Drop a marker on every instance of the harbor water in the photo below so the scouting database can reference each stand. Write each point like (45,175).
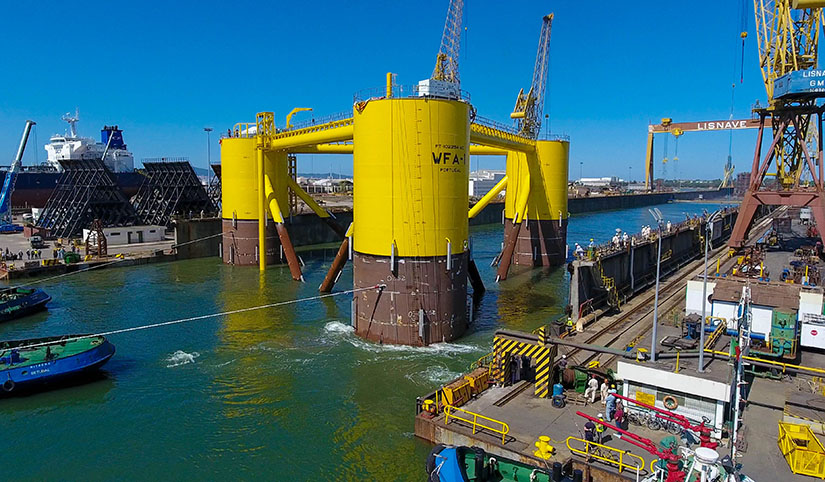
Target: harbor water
(285,393)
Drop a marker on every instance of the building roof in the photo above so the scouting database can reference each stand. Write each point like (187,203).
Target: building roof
(785,296)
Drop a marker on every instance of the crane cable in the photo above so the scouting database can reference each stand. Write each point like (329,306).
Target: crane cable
(743,34)
(201,317)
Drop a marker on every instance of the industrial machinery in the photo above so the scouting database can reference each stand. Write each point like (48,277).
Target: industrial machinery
(409,239)
(535,208)
(667,126)
(788,33)
(6,224)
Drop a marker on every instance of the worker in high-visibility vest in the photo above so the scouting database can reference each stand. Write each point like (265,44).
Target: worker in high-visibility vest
(569,325)
(600,428)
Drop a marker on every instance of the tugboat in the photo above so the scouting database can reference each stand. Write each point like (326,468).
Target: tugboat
(19,302)
(27,363)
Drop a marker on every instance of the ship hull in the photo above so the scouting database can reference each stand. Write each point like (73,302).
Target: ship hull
(32,189)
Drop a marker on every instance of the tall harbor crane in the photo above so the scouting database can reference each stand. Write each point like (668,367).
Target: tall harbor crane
(788,36)
(446,62)
(530,106)
(6,224)
(445,82)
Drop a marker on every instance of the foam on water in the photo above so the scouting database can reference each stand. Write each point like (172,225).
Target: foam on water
(335,332)
(432,374)
(181,358)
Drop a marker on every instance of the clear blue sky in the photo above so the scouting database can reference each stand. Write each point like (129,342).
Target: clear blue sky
(164,71)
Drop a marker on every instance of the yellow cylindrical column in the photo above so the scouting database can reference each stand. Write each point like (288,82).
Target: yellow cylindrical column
(241,204)
(410,228)
(542,177)
(412,172)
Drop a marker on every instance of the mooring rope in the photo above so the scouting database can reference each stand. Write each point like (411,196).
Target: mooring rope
(200,317)
(197,240)
(71,273)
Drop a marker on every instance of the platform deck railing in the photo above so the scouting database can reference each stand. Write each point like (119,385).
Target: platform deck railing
(473,419)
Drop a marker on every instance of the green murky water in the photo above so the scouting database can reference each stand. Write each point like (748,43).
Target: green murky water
(287,393)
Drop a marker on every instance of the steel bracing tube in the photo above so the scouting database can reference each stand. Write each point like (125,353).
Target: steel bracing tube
(507,254)
(337,265)
(323,149)
(321,212)
(261,208)
(477,150)
(487,136)
(523,197)
(274,208)
(312,136)
(491,194)
(475,278)
(289,252)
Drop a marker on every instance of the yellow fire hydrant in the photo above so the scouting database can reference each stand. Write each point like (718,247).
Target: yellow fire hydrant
(545,450)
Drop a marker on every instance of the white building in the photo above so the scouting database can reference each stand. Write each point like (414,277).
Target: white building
(130,234)
(600,181)
(483,180)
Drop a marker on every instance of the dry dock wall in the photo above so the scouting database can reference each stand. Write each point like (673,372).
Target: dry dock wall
(632,268)
(308,229)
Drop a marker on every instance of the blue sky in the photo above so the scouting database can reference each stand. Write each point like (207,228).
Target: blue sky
(164,71)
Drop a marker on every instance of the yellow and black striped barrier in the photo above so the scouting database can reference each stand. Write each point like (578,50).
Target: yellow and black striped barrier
(49,262)
(504,348)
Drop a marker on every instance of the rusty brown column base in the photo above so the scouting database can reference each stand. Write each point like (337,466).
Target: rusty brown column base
(539,243)
(423,302)
(240,243)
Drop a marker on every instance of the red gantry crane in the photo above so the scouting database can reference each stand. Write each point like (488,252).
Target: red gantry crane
(788,34)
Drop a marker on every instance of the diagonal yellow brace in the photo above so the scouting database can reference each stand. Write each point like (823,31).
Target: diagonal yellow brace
(273,201)
(485,200)
(321,212)
(523,196)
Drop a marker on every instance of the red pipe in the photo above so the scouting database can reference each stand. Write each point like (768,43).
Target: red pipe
(684,422)
(672,460)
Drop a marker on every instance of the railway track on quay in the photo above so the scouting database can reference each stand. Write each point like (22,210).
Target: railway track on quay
(626,325)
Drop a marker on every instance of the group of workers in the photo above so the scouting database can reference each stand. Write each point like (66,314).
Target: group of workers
(613,407)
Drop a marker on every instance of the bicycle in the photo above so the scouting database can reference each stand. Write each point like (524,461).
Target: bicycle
(645,419)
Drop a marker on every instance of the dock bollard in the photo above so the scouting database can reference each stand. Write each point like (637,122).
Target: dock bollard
(545,450)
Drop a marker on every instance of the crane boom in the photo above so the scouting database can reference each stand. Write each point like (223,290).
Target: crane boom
(10,179)
(446,63)
(530,107)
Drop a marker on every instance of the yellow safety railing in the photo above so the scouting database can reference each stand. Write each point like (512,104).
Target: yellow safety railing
(483,361)
(607,454)
(784,366)
(802,450)
(450,411)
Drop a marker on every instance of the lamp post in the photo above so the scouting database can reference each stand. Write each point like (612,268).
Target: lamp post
(708,232)
(208,131)
(581,169)
(657,216)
